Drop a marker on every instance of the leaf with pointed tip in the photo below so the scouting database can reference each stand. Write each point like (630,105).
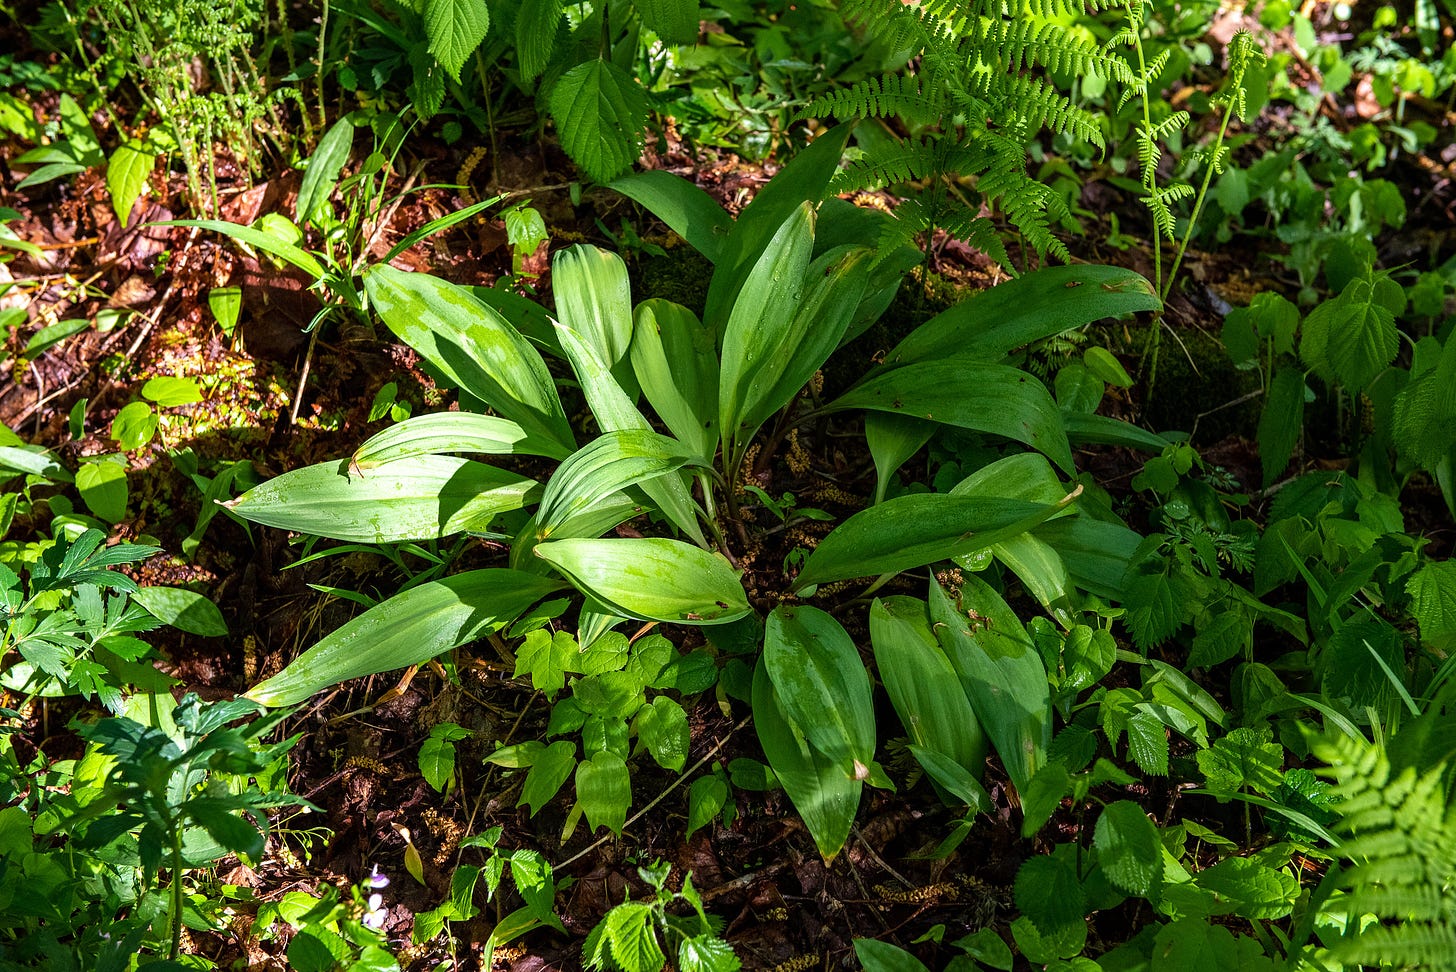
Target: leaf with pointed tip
(822,685)
(443,433)
(408,629)
(599,471)
(981,396)
(893,439)
(1031,307)
(474,347)
(422,498)
(652,578)
(918,529)
(687,210)
(615,412)
(675,359)
(594,299)
(826,798)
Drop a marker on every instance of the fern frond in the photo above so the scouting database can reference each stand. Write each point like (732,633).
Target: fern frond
(909,161)
(1026,43)
(907,96)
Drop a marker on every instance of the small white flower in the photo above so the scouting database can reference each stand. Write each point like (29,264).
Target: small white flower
(376,880)
(377,913)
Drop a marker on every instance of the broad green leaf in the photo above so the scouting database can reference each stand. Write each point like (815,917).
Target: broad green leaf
(455,29)
(436,758)
(1352,336)
(600,112)
(126,176)
(922,683)
(408,629)
(878,956)
(422,498)
(1249,889)
(1001,672)
(662,727)
(605,790)
(474,347)
(1023,476)
(825,796)
(970,395)
(892,440)
(675,359)
(182,609)
(1031,307)
(918,529)
(594,299)
(33,461)
(323,170)
(953,778)
(102,485)
(1105,366)
(651,578)
(1096,553)
(706,798)
(835,283)
(1432,590)
(134,426)
(226,304)
(547,657)
(1042,795)
(804,179)
(767,303)
(673,21)
(1351,667)
(822,685)
(1049,892)
(1194,945)
(1103,430)
(1128,849)
(170,392)
(267,242)
(1042,572)
(447,432)
(537,24)
(615,412)
(600,470)
(223,824)
(549,769)
(687,210)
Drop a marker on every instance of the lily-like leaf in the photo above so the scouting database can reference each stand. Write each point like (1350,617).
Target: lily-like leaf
(266,242)
(687,210)
(893,439)
(653,579)
(675,358)
(1001,672)
(422,498)
(594,299)
(474,347)
(826,797)
(918,529)
(822,685)
(922,683)
(601,470)
(443,433)
(768,302)
(1104,430)
(985,397)
(410,628)
(615,412)
(1029,308)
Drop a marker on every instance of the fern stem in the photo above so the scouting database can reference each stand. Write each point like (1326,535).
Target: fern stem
(1150,178)
(1166,286)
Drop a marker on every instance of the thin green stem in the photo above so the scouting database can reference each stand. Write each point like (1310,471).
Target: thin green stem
(176,906)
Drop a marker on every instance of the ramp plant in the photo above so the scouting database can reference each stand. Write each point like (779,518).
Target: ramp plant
(679,407)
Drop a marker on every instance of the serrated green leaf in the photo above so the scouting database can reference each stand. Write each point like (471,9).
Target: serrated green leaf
(1048,892)
(546,657)
(1432,590)
(1281,422)
(1128,849)
(455,29)
(1249,889)
(537,24)
(1042,795)
(600,113)
(673,21)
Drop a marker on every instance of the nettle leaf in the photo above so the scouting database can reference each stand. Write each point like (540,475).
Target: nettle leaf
(1154,609)
(455,29)
(1250,889)
(600,112)
(537,24)
(1432,590)
(673,21)
(1049,893)
(1281,422)
(1245,757)
(1147,741)
(1194,945)
(1359,663)
(1128,848)
(1353,336)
